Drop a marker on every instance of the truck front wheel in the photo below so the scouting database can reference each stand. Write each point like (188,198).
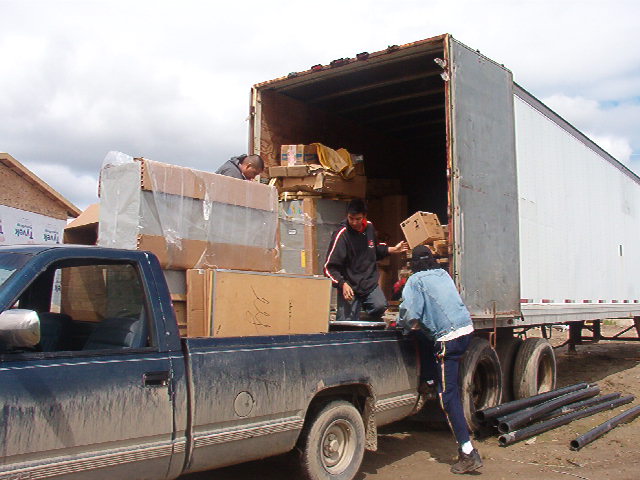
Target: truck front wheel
(332,443)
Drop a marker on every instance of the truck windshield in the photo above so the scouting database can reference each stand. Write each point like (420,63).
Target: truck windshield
(9,263)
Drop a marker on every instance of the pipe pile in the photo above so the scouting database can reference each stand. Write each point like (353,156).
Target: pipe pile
(515,436)
(490,414)
(513,421)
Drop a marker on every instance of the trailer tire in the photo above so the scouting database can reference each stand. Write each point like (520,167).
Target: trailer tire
(332,443)
(535,368)
(480,380)
(507,349)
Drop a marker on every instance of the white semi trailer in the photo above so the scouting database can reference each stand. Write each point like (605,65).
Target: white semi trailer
(544,224)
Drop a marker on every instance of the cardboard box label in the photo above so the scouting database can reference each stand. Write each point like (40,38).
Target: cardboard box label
(291,155)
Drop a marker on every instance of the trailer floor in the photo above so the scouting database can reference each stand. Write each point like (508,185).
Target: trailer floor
(408,451)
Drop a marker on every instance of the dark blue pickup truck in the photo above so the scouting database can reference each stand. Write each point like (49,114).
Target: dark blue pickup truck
(96,382)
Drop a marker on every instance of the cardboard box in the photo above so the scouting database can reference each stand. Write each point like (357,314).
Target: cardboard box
(179,303)
(441,247)
(327,183)
(231,303)
(189,253)
(306,226)
(291,155)
(422,228)
(294,171)
(386,213)
(189,183)
(189,218)
(84,229)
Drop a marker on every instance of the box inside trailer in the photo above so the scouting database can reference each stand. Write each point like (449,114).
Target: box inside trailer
(391,108)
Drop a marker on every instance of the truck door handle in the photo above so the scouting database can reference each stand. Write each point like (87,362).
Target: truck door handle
(155,379)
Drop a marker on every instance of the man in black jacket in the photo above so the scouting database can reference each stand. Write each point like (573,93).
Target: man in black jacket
(243,167)
(351,265)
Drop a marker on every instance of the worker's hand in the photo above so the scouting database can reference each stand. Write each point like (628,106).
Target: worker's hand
(347,291)
(399,248)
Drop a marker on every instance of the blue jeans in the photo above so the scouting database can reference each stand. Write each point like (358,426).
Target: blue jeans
(374,304)
(440,361)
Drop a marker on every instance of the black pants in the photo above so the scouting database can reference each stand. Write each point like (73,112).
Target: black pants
(374,305)
(440,362)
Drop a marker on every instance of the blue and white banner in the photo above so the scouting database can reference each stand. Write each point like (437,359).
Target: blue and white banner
(19,227)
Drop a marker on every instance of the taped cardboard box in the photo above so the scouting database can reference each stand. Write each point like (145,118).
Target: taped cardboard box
(188,218)
(422,228)
(231,303)
(325,182)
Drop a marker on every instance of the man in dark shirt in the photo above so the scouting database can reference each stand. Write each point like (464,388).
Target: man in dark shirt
(351,265)
(244,167)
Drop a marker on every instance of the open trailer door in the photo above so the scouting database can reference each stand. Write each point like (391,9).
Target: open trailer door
(484,193)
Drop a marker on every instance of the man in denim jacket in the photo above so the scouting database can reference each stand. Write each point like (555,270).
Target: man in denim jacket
(433,308)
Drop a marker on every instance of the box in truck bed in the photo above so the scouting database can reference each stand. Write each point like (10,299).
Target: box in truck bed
(228,303)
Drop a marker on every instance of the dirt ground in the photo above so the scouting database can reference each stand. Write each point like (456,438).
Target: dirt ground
(407,450)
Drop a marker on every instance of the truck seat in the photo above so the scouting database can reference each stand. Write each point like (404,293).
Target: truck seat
(55,331)
(118,332)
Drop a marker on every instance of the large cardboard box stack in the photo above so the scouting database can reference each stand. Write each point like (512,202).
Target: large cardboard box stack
(313,200)
(227,303)
(300,170)
(188,218)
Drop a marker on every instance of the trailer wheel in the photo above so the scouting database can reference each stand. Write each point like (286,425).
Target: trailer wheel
(507,349)
(332,443)
(480,380)
(535,368)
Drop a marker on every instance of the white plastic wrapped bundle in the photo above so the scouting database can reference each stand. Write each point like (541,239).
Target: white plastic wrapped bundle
(188,218)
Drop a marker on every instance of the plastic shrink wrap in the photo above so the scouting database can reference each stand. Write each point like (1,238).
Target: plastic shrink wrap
(188,218)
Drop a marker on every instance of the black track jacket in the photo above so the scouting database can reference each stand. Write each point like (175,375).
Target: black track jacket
(352,258)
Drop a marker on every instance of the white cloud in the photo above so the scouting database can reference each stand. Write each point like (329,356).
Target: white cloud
(618,147)
(613,127)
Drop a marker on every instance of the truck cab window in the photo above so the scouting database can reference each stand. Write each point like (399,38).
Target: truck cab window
(89,307)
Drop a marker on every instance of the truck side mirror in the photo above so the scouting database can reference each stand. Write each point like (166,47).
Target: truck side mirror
(19,328)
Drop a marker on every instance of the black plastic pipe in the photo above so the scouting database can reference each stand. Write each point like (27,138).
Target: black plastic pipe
(572,407)
(515,420)
(600,430)
(508,407)
(513,437)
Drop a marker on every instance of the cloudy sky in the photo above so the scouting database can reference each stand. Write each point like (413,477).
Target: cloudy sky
(170,80)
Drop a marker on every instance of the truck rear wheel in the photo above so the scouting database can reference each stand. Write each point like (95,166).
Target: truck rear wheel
(480,380)
(333,442)
(535,368)
(507,349)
